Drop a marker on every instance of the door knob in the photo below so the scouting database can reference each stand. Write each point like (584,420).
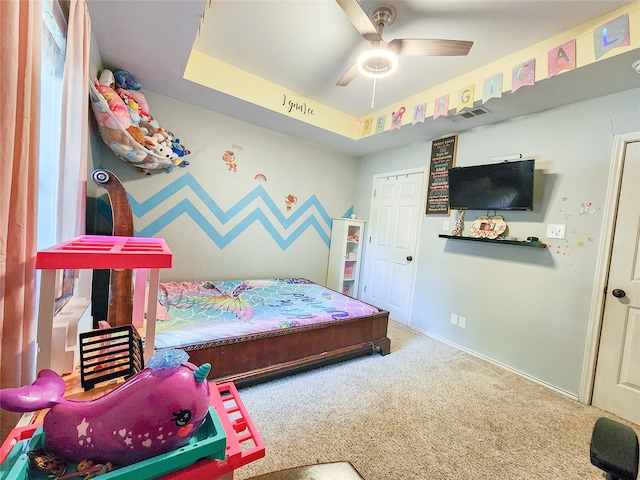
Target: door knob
(619,293)
(409,258)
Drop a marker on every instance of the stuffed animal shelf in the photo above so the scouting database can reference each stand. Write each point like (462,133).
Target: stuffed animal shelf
(126,127)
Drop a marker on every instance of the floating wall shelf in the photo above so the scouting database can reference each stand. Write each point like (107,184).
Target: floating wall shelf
(519,243)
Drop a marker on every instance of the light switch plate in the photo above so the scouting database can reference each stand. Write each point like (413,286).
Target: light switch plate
(556,230)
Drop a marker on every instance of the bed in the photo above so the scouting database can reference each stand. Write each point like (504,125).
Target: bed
(255,330)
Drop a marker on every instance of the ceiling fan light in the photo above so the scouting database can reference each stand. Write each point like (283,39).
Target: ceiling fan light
(377,63)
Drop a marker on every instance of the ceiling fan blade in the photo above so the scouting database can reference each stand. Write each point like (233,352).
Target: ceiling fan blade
(360,19)
(348,76)
(430,46)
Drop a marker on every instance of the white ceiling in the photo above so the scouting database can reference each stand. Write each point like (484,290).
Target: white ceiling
(307,45)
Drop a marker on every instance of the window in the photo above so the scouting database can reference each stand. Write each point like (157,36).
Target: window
(54,28)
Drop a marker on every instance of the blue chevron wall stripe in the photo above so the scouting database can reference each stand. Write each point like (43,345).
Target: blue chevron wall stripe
(348,213)
(142,208)
(185,206)
(320,221)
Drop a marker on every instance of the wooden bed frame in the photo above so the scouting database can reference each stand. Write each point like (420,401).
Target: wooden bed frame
(261,357)
(257,358)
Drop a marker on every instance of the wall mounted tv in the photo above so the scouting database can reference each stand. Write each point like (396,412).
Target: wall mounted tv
(497,186)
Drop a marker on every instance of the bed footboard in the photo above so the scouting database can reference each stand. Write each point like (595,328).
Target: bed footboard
(255,359)
(273,372)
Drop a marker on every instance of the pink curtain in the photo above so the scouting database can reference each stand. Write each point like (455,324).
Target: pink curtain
(20,40)
(20,33)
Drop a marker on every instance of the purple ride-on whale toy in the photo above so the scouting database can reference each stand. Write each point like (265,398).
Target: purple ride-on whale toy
(155,411)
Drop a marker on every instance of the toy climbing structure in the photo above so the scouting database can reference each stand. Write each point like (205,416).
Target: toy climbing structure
(102,252)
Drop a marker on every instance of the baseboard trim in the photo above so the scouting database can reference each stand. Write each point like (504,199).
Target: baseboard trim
(565,393)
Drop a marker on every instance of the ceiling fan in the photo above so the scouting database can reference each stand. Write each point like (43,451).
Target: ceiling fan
(381,59)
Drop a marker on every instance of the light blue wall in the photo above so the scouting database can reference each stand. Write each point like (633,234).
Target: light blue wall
(526,308)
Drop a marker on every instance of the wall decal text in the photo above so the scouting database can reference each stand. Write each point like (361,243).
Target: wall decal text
(292,106)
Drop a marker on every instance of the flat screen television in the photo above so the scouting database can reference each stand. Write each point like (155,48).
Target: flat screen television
(496,186)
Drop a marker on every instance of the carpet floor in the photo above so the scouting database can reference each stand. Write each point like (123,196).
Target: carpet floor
(426,411)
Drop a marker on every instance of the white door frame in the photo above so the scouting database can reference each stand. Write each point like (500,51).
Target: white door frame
(602,265)
(423,202)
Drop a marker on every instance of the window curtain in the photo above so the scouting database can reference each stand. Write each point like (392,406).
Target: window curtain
(20,43)
(20,35)
(75,125)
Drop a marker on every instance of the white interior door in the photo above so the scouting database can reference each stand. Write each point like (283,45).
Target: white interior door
(397,209)
(617,380)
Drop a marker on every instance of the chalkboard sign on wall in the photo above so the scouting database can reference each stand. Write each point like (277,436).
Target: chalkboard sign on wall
(443,157)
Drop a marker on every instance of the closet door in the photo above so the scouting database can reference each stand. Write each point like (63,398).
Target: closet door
(397,208)
(617,381)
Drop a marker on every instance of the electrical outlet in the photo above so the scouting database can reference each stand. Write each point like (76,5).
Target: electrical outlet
(445,225)
(556,230)
(454,319)
(462,322)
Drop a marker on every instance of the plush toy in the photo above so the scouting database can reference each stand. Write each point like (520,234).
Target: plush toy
(126,80)
(148,123)
(106,78)
(112,135)
(151,143)
(165,152)
(128,88)
(137,104)
(163,137)
(136,133)
(116,105)
(132,106)
(178,148)
(140,99)
(160,136)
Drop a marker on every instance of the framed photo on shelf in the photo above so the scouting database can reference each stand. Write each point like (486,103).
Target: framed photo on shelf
(488,227)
